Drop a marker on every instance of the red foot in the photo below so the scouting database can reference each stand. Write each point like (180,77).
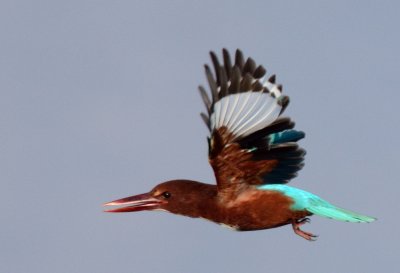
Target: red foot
(306,235)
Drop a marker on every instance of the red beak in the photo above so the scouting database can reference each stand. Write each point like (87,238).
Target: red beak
(135,203)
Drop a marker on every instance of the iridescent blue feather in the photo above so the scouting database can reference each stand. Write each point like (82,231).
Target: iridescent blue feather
(285,136)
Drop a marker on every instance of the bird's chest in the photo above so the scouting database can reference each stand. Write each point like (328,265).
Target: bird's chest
(256,209)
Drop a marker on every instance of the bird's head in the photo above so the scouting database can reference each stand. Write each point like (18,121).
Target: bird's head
(176,196)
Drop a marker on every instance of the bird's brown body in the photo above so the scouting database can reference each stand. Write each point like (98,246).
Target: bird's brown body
(244,210)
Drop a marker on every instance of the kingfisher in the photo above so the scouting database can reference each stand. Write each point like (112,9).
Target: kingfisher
(253,151)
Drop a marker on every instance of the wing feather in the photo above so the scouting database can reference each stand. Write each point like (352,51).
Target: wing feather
(250,143)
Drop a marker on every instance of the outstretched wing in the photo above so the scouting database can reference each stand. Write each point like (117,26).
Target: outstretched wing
(249,142)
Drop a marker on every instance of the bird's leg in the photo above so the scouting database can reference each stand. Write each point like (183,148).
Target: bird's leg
(306,235)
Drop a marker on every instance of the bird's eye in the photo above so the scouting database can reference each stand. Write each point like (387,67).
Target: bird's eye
(166,194)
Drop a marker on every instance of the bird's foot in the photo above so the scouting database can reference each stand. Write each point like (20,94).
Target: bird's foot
(306,235)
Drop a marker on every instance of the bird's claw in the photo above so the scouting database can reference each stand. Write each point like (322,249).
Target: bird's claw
(306,235)
(303,221)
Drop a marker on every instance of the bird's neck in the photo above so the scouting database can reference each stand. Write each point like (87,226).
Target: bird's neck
(201,202)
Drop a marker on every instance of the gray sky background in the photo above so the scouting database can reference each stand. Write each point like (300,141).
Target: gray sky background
(98,101)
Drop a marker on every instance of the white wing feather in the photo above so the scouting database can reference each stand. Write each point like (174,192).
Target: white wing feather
(246,113)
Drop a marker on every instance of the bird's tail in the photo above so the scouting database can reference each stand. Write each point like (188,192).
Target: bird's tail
(340,214)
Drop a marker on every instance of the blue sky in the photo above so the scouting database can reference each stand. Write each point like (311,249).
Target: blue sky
(98,100)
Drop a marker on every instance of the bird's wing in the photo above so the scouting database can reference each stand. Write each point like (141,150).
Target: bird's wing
(249,142)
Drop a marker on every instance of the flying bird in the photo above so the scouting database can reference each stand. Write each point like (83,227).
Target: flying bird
(254,153)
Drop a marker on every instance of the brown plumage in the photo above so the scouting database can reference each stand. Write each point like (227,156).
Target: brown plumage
(241,209)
